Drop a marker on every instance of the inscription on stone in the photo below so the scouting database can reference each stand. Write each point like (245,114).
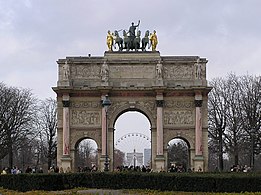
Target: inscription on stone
(127,71)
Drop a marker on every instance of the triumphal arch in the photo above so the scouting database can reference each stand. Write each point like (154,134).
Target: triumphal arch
(171,91)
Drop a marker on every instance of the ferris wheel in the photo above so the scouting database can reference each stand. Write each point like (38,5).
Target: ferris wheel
(133,142)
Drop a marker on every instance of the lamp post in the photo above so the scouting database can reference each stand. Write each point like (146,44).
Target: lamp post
(106,103)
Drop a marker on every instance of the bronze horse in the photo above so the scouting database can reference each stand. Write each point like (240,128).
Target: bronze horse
(118,40)
(145,41)
(136,41)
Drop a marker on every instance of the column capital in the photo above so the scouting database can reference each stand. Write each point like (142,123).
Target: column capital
(159,103)
(198,103)
(66,103)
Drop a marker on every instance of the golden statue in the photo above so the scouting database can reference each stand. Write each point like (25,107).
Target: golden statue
(153,40)
(109,40)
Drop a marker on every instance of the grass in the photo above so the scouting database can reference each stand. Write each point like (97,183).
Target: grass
(119,192)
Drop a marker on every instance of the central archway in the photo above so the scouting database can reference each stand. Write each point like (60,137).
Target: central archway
(132,138)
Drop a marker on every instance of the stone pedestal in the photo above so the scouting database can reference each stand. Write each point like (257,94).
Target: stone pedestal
(159,163)
(66,163)
(102,165)
(64,83)
(159,82)
(198,163)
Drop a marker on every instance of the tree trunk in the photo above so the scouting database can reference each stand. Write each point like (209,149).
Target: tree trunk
(10,156)
(220,152)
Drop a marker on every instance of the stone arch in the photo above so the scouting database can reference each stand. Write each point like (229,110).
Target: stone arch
(78,136)
(81,135)
(188,151)
(125,108)
(180,134)
(175,104)
(76,145)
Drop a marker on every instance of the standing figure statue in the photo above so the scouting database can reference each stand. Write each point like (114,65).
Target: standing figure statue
(159,70)
(109,40)
(105,72)
(198,70)
(66,71)
(153,40)
(132,34)
(132,30)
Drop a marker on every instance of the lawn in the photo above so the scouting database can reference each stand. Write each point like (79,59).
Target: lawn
(115,192)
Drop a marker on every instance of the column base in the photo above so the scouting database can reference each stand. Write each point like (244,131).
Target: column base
(198,163)
(66,164)
(160,163)
(102,163)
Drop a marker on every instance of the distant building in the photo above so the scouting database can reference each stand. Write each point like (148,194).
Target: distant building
(135,159)
(147,156)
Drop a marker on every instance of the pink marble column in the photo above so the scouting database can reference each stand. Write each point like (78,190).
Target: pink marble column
(159,127)
(104,132)
(198,129)
(66,125)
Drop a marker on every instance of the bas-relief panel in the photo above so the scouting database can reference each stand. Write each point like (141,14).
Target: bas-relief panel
(178,117)
(86,71)
(81,117)
(178,72)
(178,112)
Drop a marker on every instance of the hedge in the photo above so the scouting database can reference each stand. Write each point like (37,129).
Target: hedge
(189,182)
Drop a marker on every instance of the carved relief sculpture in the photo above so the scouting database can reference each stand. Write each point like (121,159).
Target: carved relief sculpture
(181,117)
(83,117)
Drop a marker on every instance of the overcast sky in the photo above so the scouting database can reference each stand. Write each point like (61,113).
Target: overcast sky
(34,34)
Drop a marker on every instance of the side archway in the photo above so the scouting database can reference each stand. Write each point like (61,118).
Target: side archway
(178,155)
(86,155)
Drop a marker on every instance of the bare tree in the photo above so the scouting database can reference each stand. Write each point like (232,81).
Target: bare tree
(234,133)
(17,115)
(178,153)
(218,109)
(250,105)
(86,154)
(234,118)
(47,120)
(119,157)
